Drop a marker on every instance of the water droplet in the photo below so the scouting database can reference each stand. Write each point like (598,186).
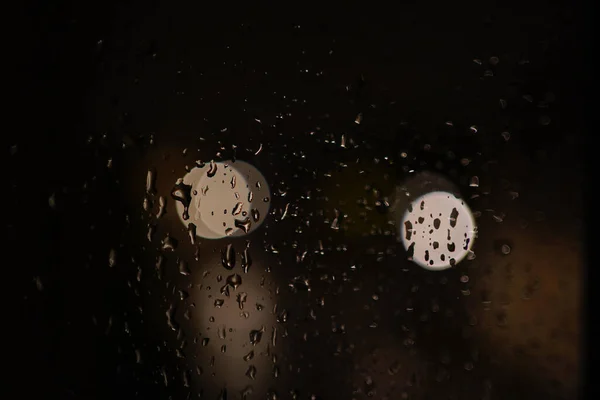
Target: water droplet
(243,224)
(251,372)
(255,214)
(237,208)
(162,206)
(160,262)
(256,336)
(38,283)
(494,60)
(182,193)
(228,257)
(186,378)
(183,268)
(394,368)
(246,392)
(474,181)
(453,218)
(283,316)
(151,232)
(192,233)
(112,258)
(169,243)
(222,332)
(233,182)
(170,314)
(246,260)
(150,181)
(241,299)
(358,119)
(249,356)
(505,249)
(250,196)
(506,136)
(234,280)
(212,169)
(147,204)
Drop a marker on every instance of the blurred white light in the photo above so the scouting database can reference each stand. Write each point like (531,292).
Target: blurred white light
(227,199)
(438,230)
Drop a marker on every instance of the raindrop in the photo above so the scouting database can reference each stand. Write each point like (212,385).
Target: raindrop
(274,336)
(150,181)
(183,268)
(228,257)
(246,260)
(219,303)
(474,181)
(162,206)
(247,392)
(212,170)
(249,356)
(255,214)
(151,232)
(170,314)
(169,243)
(160,262)
(505,249)
(233,182)
(243,224)
(358,119)
(453,217)
(237,208)
(409,229)
(112,258)
(394,368)
(146,205)
(250,196)
(234,280)
(256,336)
(283,316)
(506,136)
(222,332)
(251,372)
(241,299)
(183,194)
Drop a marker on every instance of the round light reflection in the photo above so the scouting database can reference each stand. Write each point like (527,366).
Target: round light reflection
(438,230)
(227,199)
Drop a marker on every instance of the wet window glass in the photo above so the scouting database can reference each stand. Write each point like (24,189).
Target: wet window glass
(365,203)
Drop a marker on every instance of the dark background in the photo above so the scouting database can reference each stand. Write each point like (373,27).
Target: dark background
(139,82)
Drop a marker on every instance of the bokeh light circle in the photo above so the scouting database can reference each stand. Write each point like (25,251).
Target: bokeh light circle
(227,199)
(438,230)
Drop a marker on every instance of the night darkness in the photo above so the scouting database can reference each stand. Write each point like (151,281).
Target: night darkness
(344,110)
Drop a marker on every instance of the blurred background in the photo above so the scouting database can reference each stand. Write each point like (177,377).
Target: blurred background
(341,109)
